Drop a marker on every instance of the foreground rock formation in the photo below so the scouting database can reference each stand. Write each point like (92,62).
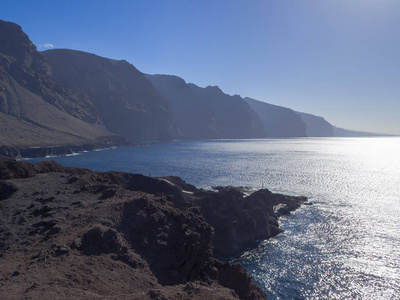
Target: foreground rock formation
(79,234)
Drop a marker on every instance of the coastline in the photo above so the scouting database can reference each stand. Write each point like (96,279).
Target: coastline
(164,230)
(25,152)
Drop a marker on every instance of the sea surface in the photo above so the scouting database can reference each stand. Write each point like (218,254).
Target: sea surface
(345,246)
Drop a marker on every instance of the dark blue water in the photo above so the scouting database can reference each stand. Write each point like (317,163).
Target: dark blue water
(345,246)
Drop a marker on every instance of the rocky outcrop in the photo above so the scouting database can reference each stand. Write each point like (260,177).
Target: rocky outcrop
(69,232)
(11,169)
(7,189)
(239,221)
(233,276)
(177,244)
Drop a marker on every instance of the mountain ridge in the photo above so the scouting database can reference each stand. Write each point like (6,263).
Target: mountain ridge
(207,112)
(278,121)
(316,126)
(123,100)
(27,94)
(67,98)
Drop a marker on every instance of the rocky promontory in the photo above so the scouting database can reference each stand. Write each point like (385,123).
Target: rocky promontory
(75,233)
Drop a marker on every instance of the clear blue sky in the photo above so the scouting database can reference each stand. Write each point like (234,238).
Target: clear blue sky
(339,59)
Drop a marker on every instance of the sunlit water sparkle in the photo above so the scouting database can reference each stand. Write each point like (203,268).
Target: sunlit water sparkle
(345,246)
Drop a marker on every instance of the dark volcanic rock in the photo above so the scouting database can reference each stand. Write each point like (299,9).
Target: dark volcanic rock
(10,168)
(177,244)
(137,182)
(233,276)
(6,189)
(240,221)
(179,183)
(62,237)
(100,240)
(48,166)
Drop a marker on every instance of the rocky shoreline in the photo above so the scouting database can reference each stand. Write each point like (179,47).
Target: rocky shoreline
(20,152)
(75,233)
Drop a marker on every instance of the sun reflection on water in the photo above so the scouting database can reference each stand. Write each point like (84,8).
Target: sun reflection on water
(345,246)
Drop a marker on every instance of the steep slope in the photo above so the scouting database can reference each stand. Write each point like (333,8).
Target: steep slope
(32,71)
(61,98)
(27,116)
(207,113)
(123,99)
(316,126)
(278,121)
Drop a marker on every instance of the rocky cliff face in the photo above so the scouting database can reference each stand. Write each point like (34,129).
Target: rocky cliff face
(316,126)
(69,98)
(30,114)
(63,99)
(278,121)
(74,233)
(117,95)
(207,113)
(240,221)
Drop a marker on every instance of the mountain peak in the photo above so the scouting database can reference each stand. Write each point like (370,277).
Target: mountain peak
(168,79)
(13,41)
(213,88)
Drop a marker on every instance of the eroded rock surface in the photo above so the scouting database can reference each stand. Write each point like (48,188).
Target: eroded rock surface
(75,233)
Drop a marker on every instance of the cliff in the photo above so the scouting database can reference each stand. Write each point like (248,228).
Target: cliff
(74,233)
(60,101)
(316,126)
(63,100)
(341,132)
(278,121)
(117,95)
(207,113)
(28,94)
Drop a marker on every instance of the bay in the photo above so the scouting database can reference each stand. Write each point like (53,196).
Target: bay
(345,246)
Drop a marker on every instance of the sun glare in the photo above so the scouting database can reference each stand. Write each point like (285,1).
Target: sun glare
(371,9)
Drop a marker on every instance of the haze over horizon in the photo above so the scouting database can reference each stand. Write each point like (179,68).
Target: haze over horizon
(336,59)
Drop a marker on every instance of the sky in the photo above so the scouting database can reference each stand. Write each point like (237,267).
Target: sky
(339,59)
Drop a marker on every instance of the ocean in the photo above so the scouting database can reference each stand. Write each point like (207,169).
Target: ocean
(345,246)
